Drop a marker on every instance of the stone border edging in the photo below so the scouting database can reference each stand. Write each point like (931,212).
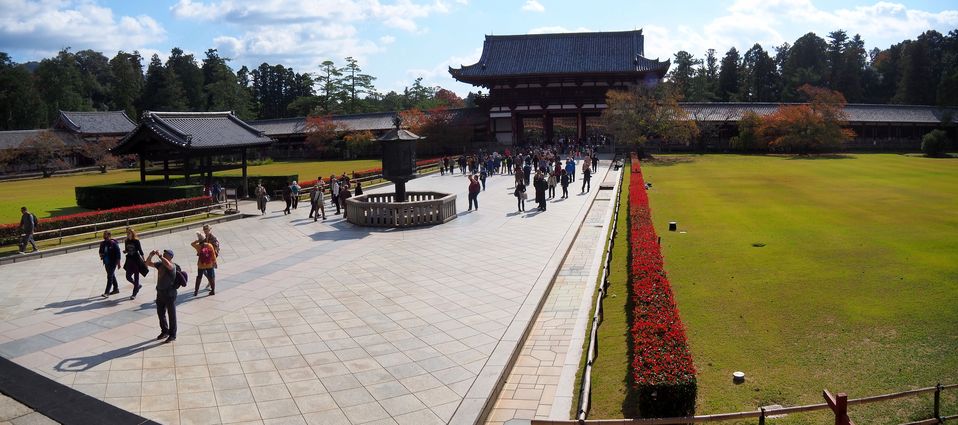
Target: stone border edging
(482,395)
(60,402)
(89,245)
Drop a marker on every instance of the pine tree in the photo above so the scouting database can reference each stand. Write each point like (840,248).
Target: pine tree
(356,84)
(190,78)
(20,104)
(162,90)
(683,72)
(128,82)
(728,78)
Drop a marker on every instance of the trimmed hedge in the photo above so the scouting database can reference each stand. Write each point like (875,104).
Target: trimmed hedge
(9,233)
(123,194)
(271,183)
(662,369)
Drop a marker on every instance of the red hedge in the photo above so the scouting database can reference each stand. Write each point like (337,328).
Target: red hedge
(10,232)
(662,368)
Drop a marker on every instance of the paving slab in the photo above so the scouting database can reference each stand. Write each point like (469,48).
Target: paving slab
(315,322)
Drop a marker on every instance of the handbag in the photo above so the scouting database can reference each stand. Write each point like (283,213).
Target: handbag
(524,196)
(144,270)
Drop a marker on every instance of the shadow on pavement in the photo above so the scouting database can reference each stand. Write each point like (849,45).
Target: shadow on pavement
(80,364)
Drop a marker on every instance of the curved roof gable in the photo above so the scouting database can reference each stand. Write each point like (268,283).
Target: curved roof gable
(110,122)
(194,131)
(565,53)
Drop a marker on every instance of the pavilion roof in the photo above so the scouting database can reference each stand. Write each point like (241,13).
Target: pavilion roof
(12,139)
(108,123)
(192,131)
(376,121)
(620,52)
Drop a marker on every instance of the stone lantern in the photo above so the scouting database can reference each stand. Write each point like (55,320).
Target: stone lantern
(399,157)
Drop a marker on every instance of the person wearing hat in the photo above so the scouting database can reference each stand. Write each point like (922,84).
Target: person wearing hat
(165,292)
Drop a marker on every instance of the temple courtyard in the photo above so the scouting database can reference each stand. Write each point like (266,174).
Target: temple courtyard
(325,322)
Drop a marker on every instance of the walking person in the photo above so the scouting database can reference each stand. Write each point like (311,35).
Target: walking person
(474,189)
(570,168)
(443,163)
(205,263)
(586,179)
(288,197)
(482,177)
(316,200)
(212,240)
(564,181)
(134,264)
(295,189)
(261,197)
(359,188)
(334,190)
(28,225)
(110,256)
(216,191)
(552,185)
(165,292)
(344,195)
(520,194)
(540,185)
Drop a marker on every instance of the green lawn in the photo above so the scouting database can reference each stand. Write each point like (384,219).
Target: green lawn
(855,288)
(55,196)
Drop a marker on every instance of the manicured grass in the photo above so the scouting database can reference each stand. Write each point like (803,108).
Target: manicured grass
(610,371)
(55,196)
(806,274)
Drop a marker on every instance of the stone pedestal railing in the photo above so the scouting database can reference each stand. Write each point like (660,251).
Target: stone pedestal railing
(420,209)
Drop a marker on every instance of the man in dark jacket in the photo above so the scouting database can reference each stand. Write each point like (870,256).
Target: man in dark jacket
(110,256)
(541,185)
(28,225)
(165,292)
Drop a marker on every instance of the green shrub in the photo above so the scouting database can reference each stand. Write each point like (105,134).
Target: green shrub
(123,194)
(935,143)
(271,183)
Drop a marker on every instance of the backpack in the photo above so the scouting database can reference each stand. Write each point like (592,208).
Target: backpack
(205,254)
(180,278)
(36,223)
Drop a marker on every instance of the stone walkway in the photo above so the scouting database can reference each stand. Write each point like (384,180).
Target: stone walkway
(14,413)
(312,322)
(541,383)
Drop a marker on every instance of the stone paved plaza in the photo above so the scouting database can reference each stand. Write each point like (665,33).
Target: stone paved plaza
(320,323)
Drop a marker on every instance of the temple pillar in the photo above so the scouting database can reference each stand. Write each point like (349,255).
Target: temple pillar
(142,169)
(547,122)
(242,191)
(166,170)
(580,126)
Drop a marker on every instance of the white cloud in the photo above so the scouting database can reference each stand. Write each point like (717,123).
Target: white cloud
(300,46)
(401,14)
(49,25)
(533,6)
(438,75)
(763,21)
(387,39)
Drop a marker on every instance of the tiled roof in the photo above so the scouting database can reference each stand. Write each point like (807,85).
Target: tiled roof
(856,113)
(111,122)
(194,131)
(13,139)
(568,53)
(377,121)
(280,126)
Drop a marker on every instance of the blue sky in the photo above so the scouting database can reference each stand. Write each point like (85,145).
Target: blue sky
(399,40)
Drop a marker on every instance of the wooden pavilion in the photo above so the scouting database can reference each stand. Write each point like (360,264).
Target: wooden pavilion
(542,78)
(191,144)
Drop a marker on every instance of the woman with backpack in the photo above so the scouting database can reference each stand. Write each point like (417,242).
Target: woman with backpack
(520,194)
(261,197)
(205,263)
(288,197)
(474,188)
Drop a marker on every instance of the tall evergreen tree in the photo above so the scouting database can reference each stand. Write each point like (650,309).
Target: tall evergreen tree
(60,84)
(836,58)
(222,90)
(728,78)
(759,78)
(851,79)
(356,84)
(682,74)
(190,77)
(915,85)
(127,69)
(21,107)
(805,64)
(331,90)
(97,77)
(162,91)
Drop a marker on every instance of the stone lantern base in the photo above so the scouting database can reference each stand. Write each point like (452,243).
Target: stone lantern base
(419,209)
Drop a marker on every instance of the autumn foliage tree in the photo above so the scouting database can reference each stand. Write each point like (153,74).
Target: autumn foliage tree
(641,114)
(359,143)
(45,151)
(321,132)
(99,152)
(813,127)
(439,127)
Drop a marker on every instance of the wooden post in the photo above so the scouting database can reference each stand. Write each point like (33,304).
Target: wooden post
(839,405)
(547,126)
(580,125)
(166,170)
(142,169)
(242,191)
